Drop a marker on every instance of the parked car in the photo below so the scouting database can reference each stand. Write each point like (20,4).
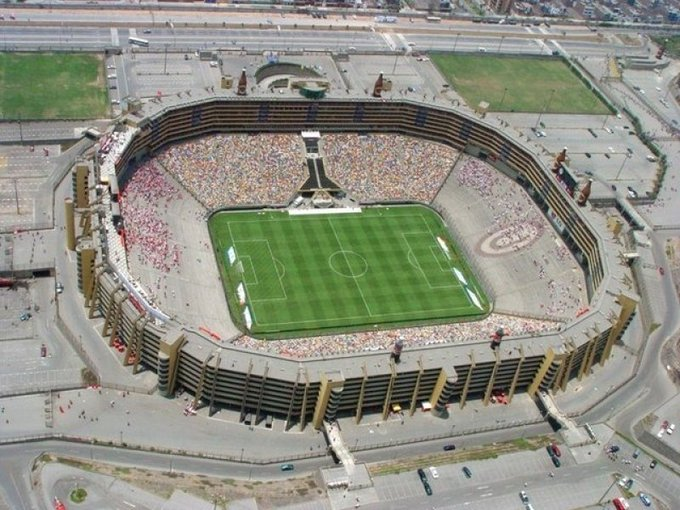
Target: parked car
(422,475)
(652,464)
(636,454)
(467,472)
(59,288)
(550,450)
(287,467)
(556,450)
(449,447)
(629,484)
(524,496)
(646,500)
(670,429)
(434,472)
(25,316)
(556,461)
(428,489)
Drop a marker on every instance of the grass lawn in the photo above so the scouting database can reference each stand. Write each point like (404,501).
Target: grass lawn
(52,86)
(325,273)
(520,84)
(671,43)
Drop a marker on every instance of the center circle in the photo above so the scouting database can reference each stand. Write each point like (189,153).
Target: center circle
(348,264)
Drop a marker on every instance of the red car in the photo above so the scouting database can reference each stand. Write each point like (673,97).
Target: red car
(555,449)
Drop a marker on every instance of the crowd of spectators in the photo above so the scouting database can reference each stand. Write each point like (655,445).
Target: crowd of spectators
(511,208)
(517,222)
(387,167)
(222,170)
(334,345)
(225,170)
(144,203)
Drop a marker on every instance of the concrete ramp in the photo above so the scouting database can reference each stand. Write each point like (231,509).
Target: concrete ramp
(572,434)
(355,476)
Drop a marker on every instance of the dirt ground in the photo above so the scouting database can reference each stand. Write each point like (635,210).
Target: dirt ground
(219,491)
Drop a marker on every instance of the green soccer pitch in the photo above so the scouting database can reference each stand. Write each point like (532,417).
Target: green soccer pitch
(305,274)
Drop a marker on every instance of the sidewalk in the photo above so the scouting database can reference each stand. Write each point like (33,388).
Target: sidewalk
(150,422)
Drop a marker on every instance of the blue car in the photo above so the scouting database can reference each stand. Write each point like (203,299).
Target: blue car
(645,499)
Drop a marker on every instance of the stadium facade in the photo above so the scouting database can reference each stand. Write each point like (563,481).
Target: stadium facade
(299,391)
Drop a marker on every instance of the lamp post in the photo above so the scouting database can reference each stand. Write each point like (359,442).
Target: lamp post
(174,36)
(456,42)
(599,501)
(16,197)
(500,44)
(165,61)
(621,167)
(505,91)
(545,107)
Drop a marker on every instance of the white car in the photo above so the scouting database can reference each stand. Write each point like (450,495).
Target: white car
(434,472)
(670,429)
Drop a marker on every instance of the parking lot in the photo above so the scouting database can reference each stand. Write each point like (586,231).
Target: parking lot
(30,358)
(496,483)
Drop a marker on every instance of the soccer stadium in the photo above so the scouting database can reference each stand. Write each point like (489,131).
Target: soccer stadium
(313,259)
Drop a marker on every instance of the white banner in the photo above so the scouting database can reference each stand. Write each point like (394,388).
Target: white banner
(444,247)
(241,291)
(231,253)
(460,276)
(248,318)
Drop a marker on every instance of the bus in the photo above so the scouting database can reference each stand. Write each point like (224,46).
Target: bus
(138,41)
(433,19)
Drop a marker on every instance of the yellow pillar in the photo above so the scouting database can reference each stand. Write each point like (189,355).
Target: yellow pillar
(69,220)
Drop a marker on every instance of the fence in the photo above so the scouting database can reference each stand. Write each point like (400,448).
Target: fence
(76,344)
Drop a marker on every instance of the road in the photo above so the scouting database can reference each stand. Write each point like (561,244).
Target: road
(17,461)
(632,401)
(181,30)
(493,484)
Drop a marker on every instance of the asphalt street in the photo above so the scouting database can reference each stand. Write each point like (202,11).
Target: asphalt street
(494,484)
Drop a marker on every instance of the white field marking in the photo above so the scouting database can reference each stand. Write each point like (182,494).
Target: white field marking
(454,284)
(368,309)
